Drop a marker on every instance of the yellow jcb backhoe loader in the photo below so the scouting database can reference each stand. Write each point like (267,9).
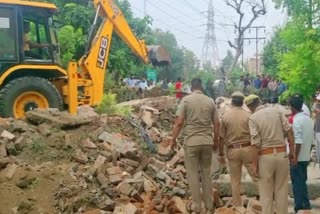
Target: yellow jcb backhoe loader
(31,75)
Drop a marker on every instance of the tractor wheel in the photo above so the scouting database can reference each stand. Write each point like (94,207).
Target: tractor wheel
(27,93)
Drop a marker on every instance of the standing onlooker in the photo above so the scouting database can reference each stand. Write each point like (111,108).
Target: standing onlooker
(178,87)
(264,82)
(273,86)
(196,114)
(143,85)
(281,87)
(303,134)
(257,82)
(316,110)
(241,83)
(164,85)
(235,134)
(246,82)
(270,156)
(131,83)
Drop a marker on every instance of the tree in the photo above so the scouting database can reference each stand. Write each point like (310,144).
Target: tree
(298,65)
(257,9)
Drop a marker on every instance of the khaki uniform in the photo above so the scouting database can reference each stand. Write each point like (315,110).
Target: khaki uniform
(236,136)
(267,128)
(198,112)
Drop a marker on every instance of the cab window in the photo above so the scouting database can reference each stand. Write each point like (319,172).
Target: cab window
(8,36)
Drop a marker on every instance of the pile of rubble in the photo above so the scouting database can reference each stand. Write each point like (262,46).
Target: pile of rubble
(90,163)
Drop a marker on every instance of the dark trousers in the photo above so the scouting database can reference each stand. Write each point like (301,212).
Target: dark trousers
(299,186)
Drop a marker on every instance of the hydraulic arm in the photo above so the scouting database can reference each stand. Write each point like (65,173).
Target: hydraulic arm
(86,78)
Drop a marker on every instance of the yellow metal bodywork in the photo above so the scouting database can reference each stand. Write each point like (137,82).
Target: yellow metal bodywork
(30,4)
(93,65)
(43,68)
(83,82)
(24,98)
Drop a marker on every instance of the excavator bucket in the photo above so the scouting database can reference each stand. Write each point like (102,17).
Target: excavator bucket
(158,55)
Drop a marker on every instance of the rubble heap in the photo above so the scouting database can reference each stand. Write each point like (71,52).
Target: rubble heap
(56,163)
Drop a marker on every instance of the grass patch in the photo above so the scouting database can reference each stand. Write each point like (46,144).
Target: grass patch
(109,106)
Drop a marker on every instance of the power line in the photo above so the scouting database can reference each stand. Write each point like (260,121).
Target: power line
(170,26)
(171,15)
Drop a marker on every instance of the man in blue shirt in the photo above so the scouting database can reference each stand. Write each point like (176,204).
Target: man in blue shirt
(257,82)
(303,134)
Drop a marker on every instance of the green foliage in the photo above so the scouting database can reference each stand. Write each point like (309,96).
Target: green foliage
(299,67)
(70,39)
(109,106)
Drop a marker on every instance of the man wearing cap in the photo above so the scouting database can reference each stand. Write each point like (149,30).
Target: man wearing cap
(235,134)
(196,114)
(268,127)
(303,134)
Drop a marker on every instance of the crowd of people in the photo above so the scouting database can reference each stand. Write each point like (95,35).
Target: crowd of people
(249,139)
(269,87)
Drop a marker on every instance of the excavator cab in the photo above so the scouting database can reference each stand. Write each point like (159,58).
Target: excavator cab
(31,75)
(27,35)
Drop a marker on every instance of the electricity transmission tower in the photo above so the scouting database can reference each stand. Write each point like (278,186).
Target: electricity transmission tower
(210,49)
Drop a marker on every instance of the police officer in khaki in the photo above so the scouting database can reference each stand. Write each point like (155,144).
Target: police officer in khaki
(268,127)
(235,135)
(196,114)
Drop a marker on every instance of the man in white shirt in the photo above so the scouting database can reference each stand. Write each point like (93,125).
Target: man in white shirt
(304,137)
(143,85)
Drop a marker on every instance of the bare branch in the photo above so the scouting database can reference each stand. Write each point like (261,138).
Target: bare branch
(232,45)
(257,9)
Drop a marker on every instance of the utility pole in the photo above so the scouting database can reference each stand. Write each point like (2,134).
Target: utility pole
(256,39)
(210,48)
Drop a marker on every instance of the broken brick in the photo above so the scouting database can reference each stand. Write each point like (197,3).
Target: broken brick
(101,179)
(87,143)
(99,162)
(80,157)
(7,135)
(3,150)
(216,198)
(130,209)
(11,149)
(114,170)
(125,188)
(129,162)
(10,170)
(254,206)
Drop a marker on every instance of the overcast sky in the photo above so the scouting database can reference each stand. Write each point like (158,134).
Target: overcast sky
(187,19)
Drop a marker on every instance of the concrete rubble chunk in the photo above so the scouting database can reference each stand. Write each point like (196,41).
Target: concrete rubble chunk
(176,191)
(4,162)
(95,211)
(10,171)
(99,162)
(3,149)
(254,206)
(129,162)
(176,205)
(115,174)
(224,210)
(155,135)
(107,205)
(87,111)
(148,186)
(146,117)
(11,149)
(216,198)
(102,179)
(20,143)
(125,188)
(87,143)
(105,136)
(7,135)
(56,119)
(80,157)
(130,209)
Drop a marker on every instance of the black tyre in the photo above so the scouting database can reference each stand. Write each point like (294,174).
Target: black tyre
(27,93)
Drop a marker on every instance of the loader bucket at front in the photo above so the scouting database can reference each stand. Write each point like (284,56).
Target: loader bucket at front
(158,55)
